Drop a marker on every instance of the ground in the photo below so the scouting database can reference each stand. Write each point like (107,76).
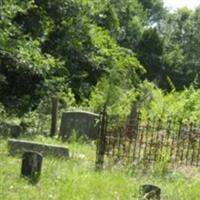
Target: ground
(76,178)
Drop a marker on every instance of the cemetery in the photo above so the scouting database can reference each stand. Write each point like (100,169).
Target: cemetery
(92,164)
(99,100)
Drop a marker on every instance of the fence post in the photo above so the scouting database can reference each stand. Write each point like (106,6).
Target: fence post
(101,141)
(133,122)
(54,116)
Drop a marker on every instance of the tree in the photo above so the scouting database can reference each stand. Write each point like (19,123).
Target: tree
(178,30)
(24,70)
(155,10)
(150,54)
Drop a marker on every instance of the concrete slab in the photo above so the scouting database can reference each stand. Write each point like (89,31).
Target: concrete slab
(19,146)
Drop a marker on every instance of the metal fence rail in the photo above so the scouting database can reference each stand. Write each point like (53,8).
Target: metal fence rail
(148,141)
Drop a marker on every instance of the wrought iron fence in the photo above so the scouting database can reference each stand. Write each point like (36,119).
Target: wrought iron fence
(137,140)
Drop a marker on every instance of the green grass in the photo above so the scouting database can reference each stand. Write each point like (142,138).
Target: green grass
(76,178)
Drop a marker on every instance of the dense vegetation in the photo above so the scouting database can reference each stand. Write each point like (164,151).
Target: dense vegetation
(96,52)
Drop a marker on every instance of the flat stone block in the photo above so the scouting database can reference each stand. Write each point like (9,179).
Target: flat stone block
(21,146)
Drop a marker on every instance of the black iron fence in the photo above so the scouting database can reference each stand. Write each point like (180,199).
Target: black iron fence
(149,140)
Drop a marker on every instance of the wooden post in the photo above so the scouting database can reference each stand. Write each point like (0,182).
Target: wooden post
(150,192)
(133,122)
(31,165)
(1,9)
(101,142)
(54,116)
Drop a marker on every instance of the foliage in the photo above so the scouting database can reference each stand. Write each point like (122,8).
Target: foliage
(150,54)
(161,168)
(174,105)
(92,53)
(117,85)
(23,68)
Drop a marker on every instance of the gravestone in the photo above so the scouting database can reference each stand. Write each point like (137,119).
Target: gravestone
(84,123)
(150,192)
(31,165)
(21,146)
(15,131)
(7,129)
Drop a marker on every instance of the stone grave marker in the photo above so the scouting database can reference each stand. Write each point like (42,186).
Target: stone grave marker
(21,146)
(150,192)
(31,165)
(84,123)
(12,130)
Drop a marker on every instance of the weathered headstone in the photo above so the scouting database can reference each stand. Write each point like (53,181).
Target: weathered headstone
(15,131)
(150,192)
(84,123)
(10,130)
(31,165)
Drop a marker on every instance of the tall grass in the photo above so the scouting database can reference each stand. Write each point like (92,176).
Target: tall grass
(76,179)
